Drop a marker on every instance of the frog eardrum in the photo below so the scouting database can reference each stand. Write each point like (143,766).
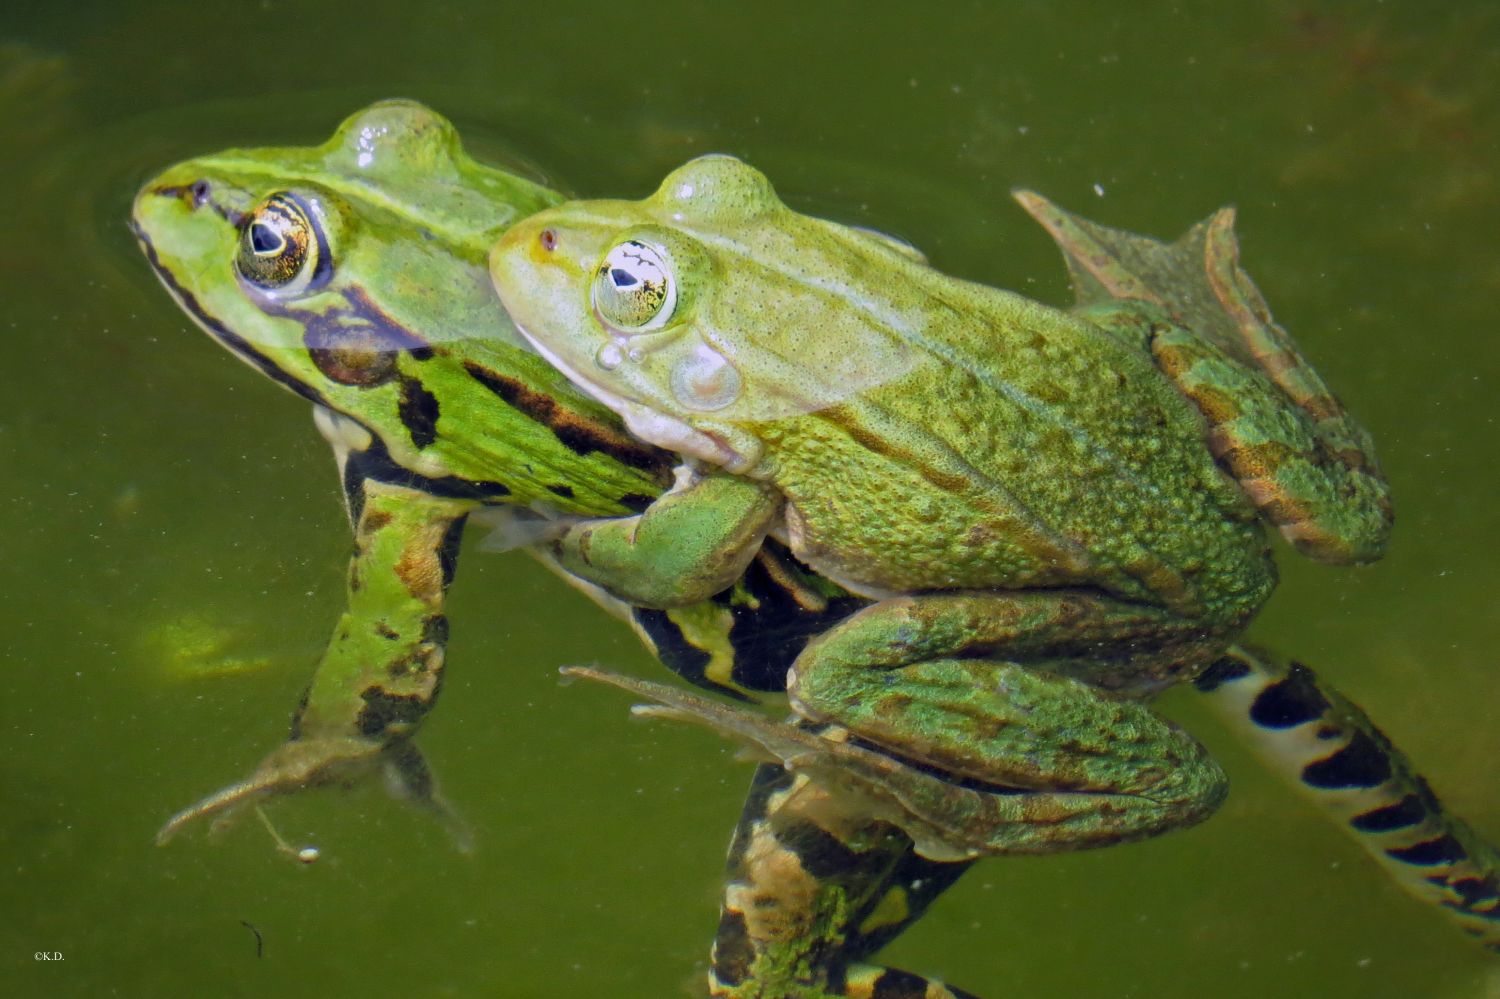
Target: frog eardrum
(282,248)
(633,288)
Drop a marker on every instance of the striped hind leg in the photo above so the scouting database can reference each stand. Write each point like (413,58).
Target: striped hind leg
(805,905)
(1308,730)
(866,981)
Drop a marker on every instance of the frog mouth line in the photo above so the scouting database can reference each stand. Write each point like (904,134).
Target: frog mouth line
(604,396)
(647,423)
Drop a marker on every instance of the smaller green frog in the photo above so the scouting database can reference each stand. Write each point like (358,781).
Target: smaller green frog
(1055,513)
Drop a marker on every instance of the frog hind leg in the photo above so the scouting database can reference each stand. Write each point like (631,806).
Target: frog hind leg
(866,981)
(980,687)
(1335,753)
(1315,475)
(816,882)
(803,905)
(382,669)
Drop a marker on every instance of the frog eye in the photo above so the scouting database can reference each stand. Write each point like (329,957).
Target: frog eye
(633,288)
(282,248)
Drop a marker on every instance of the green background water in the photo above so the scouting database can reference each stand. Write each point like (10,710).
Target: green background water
(172,543)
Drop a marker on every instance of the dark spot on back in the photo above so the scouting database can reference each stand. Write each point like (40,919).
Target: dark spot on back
(674,650)
(894,983)
(418,409)
(384,709)
(1473,890)
(298,712)
(448,550)
(823,856)
(574,431)
(435,630)
(733,951)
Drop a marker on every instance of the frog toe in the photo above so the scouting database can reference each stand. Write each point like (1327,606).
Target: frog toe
(292,767)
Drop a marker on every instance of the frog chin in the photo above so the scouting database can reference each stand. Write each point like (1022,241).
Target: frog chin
(655,427)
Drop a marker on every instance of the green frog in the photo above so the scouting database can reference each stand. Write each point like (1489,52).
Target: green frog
(1054,513)
(815,886)
(354,275)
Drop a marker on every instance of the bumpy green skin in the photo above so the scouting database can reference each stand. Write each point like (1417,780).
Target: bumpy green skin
(1062,479)
(437,412)
(1310,469)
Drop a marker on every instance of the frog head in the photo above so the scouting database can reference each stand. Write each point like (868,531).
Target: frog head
(353,273)
(683,312)
(279,252)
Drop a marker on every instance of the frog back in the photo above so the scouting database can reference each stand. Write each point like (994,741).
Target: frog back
(1017,446)
(1273,423)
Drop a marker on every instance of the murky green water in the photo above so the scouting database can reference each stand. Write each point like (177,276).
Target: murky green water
(172,549)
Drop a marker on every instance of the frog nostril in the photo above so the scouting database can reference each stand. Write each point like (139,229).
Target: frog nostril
(548,239)
(200,191)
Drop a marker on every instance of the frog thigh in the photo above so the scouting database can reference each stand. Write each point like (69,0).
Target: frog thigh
(974,685)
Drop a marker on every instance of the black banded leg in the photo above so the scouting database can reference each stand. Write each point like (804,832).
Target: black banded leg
(381,671)
(1309,731)
(870,982)
(801,905)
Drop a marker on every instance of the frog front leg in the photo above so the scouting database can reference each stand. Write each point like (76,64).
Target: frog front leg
(383,667)
(692,542)
(981,686)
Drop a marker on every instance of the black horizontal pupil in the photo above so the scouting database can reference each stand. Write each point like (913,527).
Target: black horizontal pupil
(622,278)
(264,239)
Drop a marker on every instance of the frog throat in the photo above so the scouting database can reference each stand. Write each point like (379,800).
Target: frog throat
(651,425)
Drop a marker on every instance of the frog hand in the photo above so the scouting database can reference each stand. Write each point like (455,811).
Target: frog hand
(301,764)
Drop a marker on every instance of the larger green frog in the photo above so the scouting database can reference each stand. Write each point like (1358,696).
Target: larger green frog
(1037,500)
(877,399)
